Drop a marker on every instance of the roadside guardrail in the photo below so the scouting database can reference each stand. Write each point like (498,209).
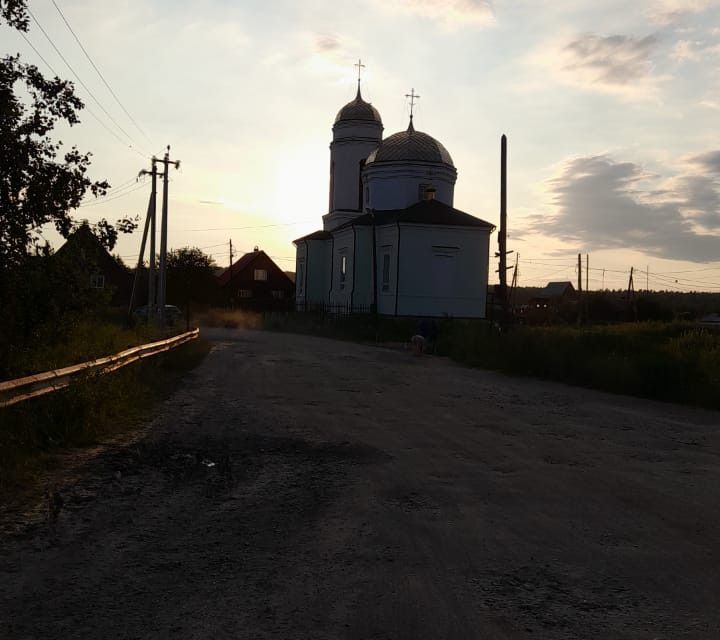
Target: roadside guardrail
(14,391)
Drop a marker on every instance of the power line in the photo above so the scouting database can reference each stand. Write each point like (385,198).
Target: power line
(263,226)
(121,195)
(69,66)
(87,55)
(89,110)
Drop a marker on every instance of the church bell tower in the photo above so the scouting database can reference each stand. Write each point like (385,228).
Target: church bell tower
(357,132)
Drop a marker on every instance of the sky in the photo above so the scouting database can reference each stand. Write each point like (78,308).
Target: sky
(611,109)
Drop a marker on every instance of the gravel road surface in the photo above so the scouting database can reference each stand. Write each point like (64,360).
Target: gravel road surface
(296,487)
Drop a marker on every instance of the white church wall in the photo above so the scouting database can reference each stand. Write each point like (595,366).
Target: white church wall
(301,251)
(399,185)
(313,263)
(443,271)
(386,239)
(362,292)
(353,141)
(342,267)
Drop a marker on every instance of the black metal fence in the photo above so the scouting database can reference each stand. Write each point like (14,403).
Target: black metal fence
(334,309)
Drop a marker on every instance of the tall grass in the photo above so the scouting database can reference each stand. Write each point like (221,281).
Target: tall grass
(92,408)
(673,362)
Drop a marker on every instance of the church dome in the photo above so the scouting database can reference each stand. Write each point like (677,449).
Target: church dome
(410,146)
(358,109)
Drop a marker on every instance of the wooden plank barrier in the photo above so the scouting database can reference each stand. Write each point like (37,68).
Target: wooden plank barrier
(14,391)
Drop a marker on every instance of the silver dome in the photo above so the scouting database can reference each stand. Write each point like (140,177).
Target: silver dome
(410,146)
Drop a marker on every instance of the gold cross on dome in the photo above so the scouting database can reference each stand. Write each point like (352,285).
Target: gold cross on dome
(360,67)
(413,97)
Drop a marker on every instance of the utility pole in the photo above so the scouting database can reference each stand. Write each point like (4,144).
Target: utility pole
(162,289)
(152,214)
(587,272)
(579,270)
(232,297)
(502,252)
(141,257)
(631,284)
(603,280)
(514,284)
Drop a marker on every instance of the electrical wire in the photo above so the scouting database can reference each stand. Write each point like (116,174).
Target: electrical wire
(102,77)
(263,226)
(88,109)
(92,95)
(116,197)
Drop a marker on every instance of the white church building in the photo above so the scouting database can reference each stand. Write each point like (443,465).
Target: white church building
(392,240)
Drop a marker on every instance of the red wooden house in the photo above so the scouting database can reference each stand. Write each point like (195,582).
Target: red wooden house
(256,282)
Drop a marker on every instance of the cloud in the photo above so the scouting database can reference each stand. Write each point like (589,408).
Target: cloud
(617,64)
(709,161)
(600,203)
(327,42)
(672,11)
(684,50)
(449,13)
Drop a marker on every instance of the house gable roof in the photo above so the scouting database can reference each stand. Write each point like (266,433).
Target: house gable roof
(244,263)
(556,290)
(83,239)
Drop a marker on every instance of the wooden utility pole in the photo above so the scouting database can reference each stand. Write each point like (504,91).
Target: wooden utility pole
(579,270)
(141,257)
(514,284)
(587,272)
(631,284)
(502,252)
(152,213)
(162,289)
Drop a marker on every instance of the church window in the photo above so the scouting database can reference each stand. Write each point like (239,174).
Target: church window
(386,272)
(244,293)
(343,271)
(261,275)
(278,294)
(421,191)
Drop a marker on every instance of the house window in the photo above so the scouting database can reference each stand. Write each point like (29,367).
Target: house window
(244,293)
(261,275)
(386,272)
(343,271)
(278,294)
(97,281)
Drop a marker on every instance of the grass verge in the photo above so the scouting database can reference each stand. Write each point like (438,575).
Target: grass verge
(92,408)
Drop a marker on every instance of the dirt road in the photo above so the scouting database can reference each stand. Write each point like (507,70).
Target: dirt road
(299,488)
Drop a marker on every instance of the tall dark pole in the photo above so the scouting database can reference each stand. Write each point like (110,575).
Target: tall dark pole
(502,236)
(162,288)
(162,292)
(151,264)
(141,257)
(579,270)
